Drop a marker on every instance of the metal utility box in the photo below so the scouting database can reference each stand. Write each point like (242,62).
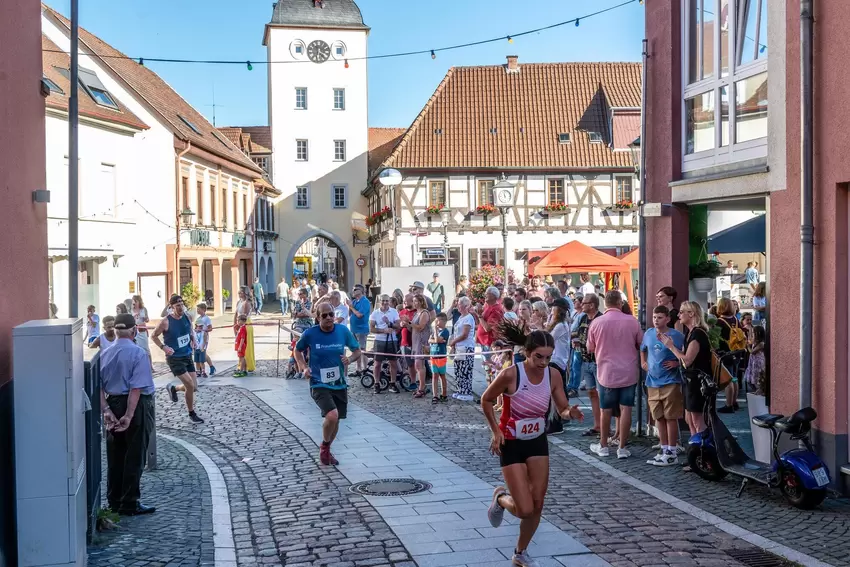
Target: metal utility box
(50,455)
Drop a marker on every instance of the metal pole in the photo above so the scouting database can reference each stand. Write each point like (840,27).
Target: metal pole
(642,232)
(504,211)
(807,229)
(277,365)
(73,168)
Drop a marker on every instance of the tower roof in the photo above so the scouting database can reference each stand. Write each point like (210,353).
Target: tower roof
(317,14)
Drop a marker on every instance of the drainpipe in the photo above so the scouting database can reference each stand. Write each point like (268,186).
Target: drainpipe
(807,228)
(642,228)
(177,186)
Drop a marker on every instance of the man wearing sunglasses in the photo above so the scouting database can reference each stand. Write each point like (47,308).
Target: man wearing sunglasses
(326,371)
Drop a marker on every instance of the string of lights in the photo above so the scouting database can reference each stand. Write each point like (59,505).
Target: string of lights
(432,52)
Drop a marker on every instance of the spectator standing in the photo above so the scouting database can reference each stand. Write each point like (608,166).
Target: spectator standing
(558,327)
(406,315)
(508,306)
(127,402)
(108,337)
(383,323)
(590,312)
(752,275)
(732,337)
(759,304)
(616,341)
(302,311)
(462,285)
(664,388)
(359,309)
(439,342)
(730,268)
(487,321)
(93,324)
(340,309)
(462,344)
(283,296)
(421,331)
(586,285)
(665,298)
(438,295)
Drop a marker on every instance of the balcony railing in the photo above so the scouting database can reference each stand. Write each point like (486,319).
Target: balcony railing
(199,237)
(240,240)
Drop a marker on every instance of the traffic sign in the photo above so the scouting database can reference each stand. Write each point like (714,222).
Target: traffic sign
(361,262)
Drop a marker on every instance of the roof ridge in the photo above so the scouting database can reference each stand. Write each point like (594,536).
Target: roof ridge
(415,125)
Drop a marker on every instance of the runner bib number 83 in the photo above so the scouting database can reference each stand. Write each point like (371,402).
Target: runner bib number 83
(329,375)
(530,428)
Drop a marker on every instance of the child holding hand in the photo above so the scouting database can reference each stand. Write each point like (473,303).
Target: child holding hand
(241,346)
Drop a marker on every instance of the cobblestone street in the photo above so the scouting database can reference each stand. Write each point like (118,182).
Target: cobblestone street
(286,509)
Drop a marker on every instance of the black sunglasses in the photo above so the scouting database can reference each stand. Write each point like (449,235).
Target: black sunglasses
(325,315)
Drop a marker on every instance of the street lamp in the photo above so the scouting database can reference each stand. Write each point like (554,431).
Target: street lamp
(503,197)
(186,215)
(445,217)
(390,178)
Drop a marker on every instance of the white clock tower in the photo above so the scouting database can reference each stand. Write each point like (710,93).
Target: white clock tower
(319,126)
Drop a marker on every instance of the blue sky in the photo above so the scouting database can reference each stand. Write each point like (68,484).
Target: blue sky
(398,87)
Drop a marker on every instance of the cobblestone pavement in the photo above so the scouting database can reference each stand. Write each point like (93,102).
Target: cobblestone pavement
(286,509)
(178,534)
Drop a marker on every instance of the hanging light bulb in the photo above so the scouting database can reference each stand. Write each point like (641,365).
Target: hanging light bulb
(510,39)
(433,55)
(250,67)
(578,21)
(346,63)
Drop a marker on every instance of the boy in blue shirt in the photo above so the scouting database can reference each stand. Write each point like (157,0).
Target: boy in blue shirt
(664,384)
(327,342)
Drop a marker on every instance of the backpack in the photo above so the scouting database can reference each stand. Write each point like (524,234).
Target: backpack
(737,338)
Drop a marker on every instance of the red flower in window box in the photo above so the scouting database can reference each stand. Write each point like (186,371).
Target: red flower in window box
(623,205)
(556,207)
(434,209)
(485,210)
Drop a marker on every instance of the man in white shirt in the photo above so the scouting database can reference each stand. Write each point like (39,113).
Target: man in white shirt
(342,295)
(730,268)
(283,296)
(383,323)
(586,285)
(340,309)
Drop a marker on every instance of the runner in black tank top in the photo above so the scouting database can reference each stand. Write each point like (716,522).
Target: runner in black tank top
(176,330)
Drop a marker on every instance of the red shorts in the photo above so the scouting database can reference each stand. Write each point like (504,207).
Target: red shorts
(241,353)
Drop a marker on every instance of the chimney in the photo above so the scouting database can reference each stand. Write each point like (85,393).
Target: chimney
(513,65)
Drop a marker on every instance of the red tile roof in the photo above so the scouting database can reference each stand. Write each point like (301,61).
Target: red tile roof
(243,140)
(160,97)
(53,60)
(382,141)
(486,117)
(260,134)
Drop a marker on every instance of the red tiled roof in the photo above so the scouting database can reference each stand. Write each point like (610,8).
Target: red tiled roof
(160,97)
(52,61)
(243,140)
(382,142)
(626,128)
(485,117)
(260,134)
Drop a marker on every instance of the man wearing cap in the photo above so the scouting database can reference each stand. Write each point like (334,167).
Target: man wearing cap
(435,288)
(418,287)
(127,400)
(176,330)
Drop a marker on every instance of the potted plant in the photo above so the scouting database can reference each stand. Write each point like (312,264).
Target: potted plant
(623,205)
(485,210)
(225,293)
(704,273)
(191,295)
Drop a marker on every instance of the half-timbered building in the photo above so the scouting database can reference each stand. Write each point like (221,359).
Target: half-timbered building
(561,133)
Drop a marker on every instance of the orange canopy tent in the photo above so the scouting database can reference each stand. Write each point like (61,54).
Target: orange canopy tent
(575,257)
(632,258)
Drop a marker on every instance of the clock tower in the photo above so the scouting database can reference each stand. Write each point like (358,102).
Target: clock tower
(319,126)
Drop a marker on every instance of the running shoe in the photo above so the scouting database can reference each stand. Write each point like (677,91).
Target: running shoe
(455,395)
(495,513)
(523,559)
(665,459)
(194,417)
(172,391)
(238,374)
(464,398)
(212,371)
(393,388)
(599,450)
(623,453)
(325,455)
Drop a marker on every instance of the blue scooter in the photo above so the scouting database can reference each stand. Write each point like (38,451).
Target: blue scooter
(800,474)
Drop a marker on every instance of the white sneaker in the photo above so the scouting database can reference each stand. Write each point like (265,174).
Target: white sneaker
(464,398)
(623,453)
(455,395)
(656,459)
(667,459)
(524,560)
(495,513)
(599,449)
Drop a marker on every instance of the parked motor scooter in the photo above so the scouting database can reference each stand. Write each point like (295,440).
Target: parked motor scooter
(800,474)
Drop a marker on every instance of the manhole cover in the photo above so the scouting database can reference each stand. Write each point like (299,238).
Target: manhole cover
(390,487)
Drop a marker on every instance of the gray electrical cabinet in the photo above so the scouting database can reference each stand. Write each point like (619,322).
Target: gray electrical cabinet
(50,456)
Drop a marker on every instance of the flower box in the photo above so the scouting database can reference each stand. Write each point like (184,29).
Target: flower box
(486,210)
(622,206)
(555,209)
(434,210)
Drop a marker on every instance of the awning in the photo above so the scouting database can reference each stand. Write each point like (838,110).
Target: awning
(748,237)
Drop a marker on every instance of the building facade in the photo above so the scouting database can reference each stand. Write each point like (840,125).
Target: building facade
(318,119)
(559,133)
(724,91)
(181,164)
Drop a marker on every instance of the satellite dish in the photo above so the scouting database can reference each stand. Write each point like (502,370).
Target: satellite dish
(390,177)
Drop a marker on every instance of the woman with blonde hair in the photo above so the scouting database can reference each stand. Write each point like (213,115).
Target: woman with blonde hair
(421,325)
(539,315)
(696,356)
(727,321)
(140,314)
(243,307)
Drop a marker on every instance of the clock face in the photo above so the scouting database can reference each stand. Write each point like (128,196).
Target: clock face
(318,51)
(504,196)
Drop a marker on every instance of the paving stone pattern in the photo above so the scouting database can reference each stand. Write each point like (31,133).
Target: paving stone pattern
(286,508)
(621,524)
(178,534)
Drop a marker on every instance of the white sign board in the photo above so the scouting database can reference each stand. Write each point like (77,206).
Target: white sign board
(401,278)
(652,209)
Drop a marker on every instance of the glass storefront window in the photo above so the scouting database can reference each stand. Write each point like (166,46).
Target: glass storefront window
(699,112)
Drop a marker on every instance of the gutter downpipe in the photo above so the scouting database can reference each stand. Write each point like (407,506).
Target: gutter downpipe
(179,216)
(642,228)
(807,228)
(74,168)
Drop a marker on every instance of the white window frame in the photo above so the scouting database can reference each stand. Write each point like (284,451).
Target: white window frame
(306,189)
(340,91)
(298,103)
(733,151)
(337,145)
(344,188)
(306,150)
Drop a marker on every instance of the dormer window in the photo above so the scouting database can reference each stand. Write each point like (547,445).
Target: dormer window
(564,138)
(51,85)
(92,85)
(494,130)
(438,131)
(595,137)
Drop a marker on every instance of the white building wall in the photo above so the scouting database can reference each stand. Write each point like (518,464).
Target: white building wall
(320,125)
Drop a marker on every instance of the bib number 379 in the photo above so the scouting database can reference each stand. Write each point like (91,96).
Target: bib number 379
(529,428)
